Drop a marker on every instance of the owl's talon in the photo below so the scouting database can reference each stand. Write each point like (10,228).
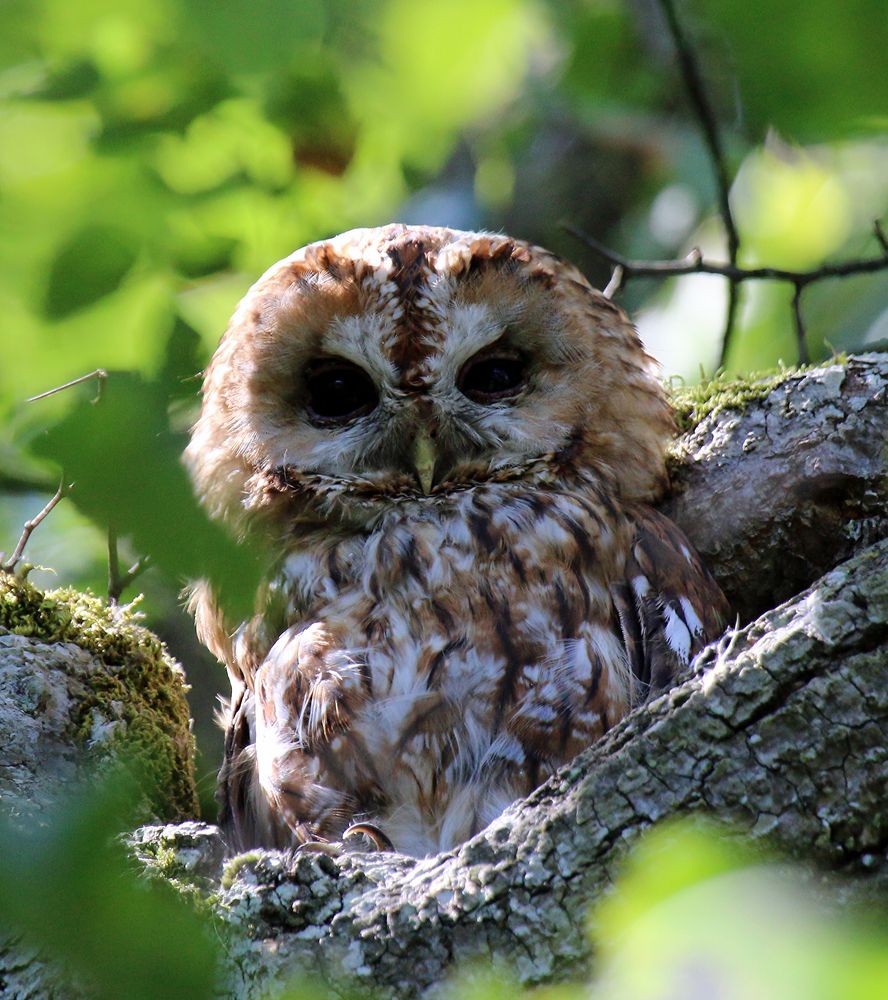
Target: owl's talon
(379,840)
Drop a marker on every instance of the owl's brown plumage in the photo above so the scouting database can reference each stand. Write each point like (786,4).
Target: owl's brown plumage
(452,442)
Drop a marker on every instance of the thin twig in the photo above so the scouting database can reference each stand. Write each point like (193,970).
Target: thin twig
(99,374)
(117,581)
(9,565)
(730,317)
(800,325)
(693,80)
(695,263)
(880,235)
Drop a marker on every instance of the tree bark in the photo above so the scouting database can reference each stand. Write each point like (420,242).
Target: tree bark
(83,684)
(777,491)
(780,730)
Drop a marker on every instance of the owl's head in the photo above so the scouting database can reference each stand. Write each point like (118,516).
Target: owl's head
(405,362)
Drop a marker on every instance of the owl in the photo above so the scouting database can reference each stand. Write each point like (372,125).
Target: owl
(450,443)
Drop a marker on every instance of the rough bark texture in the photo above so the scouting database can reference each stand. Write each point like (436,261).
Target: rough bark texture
(776,492)
(783,731)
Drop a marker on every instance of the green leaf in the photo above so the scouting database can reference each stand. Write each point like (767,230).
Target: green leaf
(88,266)
(258,37)
(127,470)
(813,69)
(697,913)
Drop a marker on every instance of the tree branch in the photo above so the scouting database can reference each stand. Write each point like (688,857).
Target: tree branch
(626,268)
(695,263)
(776,481)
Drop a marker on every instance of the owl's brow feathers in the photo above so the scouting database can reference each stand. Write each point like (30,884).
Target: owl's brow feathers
(412,261)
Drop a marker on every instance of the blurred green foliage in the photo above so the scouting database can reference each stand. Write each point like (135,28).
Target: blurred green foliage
(69,891)
(157,155)
(695,914)
(124,433)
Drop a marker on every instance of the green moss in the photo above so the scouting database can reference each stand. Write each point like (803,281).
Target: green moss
(693,403)
(235,864)
(142,689)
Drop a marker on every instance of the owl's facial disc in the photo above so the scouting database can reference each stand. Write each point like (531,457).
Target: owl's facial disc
(361,370)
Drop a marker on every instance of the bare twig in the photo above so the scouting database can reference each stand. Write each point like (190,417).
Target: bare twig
(730,318)
(99,374)
(800,325)
(880,235)
(10,564)
(693,80)
(695,263)
(117,581)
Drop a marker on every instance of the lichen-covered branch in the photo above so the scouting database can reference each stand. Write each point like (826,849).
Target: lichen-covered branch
(83,684)
(782,731)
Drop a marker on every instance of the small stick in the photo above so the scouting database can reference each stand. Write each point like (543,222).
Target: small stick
(695,263)
(615,283)
(99,374)
(800,325)
(9,565)
(696,90)
(117,581)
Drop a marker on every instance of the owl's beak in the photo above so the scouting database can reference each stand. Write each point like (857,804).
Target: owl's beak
(424,457)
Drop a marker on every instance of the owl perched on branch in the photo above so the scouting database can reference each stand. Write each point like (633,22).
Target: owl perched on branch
(452,442)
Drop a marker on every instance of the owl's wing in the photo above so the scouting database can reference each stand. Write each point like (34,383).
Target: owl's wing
(278,735)
(668,607)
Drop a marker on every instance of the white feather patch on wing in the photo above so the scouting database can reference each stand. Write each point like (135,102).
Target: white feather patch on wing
(677,635)
(692,619)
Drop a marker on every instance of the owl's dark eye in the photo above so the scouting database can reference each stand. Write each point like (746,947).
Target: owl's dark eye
(338,391)
(492,378)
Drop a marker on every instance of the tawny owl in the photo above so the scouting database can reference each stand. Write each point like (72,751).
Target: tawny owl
(452,442)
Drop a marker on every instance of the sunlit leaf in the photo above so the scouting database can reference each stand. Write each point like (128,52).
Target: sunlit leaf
(792,211)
